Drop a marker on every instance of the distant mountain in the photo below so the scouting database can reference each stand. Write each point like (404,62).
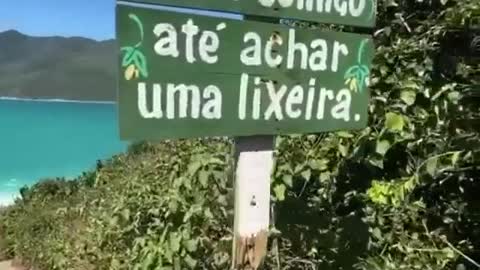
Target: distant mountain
(57,67)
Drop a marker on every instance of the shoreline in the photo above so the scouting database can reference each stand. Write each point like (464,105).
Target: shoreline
(57,100)
(8,198)
(6,201)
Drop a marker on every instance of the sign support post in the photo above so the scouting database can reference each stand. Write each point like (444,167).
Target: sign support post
(253,169)
(254,165)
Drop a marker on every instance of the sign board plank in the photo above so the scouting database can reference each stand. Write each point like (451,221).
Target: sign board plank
(346,12)
(186,76)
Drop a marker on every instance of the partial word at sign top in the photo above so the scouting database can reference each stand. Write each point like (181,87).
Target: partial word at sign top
(354,8)
(346,12)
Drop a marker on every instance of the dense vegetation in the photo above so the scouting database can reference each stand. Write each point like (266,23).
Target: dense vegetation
(400,194)
(56,67)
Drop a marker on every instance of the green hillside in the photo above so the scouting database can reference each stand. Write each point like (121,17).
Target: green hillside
(56,67)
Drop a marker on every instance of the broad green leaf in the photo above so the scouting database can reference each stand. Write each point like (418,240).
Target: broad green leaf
(324,176)
(174,240)
(343,150)
(208,214)
(148,261)
(455,157)
(307,174)
(191,245)
(454,96)
(177,265)
(318,164)
(410,84)
(280,192)
(449,252)
(299,167)
(287,179)
(194,167)
(190,261)
(394,121)
(382,147)
(126,214)
(408,96)
(377,233)
(203,177)
(431,166)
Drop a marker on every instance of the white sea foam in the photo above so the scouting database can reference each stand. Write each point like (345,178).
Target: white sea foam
(57,100)
(7,198)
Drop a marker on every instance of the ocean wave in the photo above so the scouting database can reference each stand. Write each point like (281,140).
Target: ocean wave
(11,183)
(57,100)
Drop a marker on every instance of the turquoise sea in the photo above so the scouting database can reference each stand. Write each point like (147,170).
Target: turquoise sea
(41,139)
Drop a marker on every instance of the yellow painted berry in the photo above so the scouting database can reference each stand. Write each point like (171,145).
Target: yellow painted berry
(353,84)
(130,72)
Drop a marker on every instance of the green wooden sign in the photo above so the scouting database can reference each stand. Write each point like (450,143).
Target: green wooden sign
(185,76)
(347,12)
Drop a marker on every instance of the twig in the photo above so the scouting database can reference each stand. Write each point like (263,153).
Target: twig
(400,17)
(444,239)
(428,233)
(461,253)
(303,188)
(435,157)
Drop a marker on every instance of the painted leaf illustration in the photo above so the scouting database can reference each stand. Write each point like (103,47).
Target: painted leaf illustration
(128,56)
(141,63)
(133,58)
(349,73)
(365,69)
(355,77)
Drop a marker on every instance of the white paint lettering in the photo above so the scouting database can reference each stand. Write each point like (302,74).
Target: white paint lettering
(252,55)
(324,94)
(337,49)
(342,109)
(353,8)
(293,47)
(167,45)
(341,7)
(357,10)
(311,95)
(213,107)
(285,3)
(295,97)
(156,111)
(269,59)
(208,43)
(190,30)
(257,99)
(275,99)
(184,91)
(266,3)
(318,59)
(242,101)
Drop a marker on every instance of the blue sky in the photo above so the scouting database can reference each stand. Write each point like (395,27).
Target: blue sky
(87,18)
